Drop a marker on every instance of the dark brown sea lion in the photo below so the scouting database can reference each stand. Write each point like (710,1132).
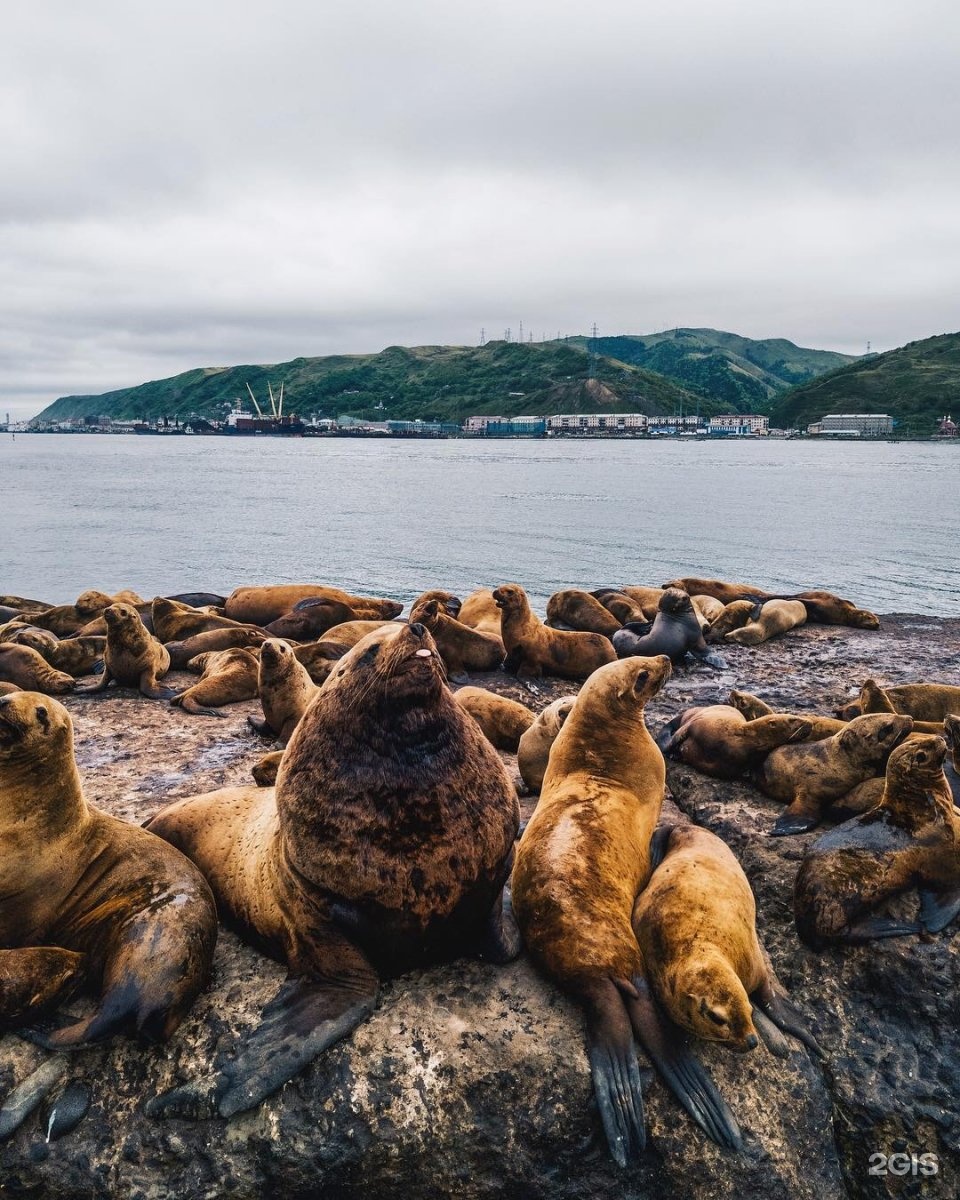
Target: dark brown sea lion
(719,741)
(23,666)
(35,980)
(7,689)
(575,609)
(75,878)
(133,657)
(620,605)
(533,752)
(534,650)
(580,865)
(247,637)
(911,839)
(676,632)
(227,677)
(503,721)
(719,589)
(65,619)
(175,622)
(310,619)
(480,611)
(320,657)
(775,618)
(285,689)
(76,655)
(261,605)
(732,616)
(200,599)
(809,777)
(462,649)
(696,925)
(385,847)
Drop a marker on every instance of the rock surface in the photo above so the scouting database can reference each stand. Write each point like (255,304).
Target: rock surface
(471,1079)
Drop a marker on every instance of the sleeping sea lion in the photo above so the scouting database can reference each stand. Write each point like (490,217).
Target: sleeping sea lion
(351,632)
(76,655)
(65,619)
(928,703)
(227,677)
(503,721)
(132,657)
(719,741)
(534,650)
(775,618)
(24,667)
(247,637)
(310,619)
(820,725)
(533,752)
(175,622)
(575,609)
(732,616)
(34,980)
(261,605)
(319,657)
(620,605)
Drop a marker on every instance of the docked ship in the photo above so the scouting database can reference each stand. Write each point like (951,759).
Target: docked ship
(241,423)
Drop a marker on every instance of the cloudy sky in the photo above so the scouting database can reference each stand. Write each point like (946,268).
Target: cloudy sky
(204,184)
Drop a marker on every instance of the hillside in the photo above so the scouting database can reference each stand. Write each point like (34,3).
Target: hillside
(916,384)
(429,382)
(742,374)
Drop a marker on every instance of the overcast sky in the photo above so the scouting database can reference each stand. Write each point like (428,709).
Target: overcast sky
(205,184)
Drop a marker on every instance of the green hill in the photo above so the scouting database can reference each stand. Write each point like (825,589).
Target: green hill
(744,375)
(916,384)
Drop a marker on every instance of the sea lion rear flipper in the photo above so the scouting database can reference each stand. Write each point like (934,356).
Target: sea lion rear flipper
(773,1039)
(615,1070)
(938,909)
(685,1077)
(867,929)
(27,1096)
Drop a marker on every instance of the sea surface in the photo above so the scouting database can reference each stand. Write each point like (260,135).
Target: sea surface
(875,521)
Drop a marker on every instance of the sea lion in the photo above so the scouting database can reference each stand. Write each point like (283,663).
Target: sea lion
(462,649)
(533,752)
(647,597)
(27,669)
(580,865)
(7,689)
(200,600)
(823,608)
(175,622)
(811,776)
(676,631)
(75,878)
(23,604)
(310,619)
(732,616)
(696,925)
(384,847)
(620,605)
(65,619)
(450,603)
(480,611)
(912,838)
(719,741)
(719,589)
(775,618)
(320,657)
(227,677)
(261,605)
(76,655)
(132,657)
(35,980)
(575,609)
(820,725)
(709,607)
(503,721)
(285,690)
(927,702)
(264,771)
(246,637)
(951,766)
(534,649)
(351,632)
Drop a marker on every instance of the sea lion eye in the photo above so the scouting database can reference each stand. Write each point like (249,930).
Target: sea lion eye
(641,680)
(43,718)
(369,656)
(715,1017)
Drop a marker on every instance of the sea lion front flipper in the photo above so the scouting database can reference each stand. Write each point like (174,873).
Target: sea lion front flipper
(710,657)
(153,690)
(686,1078)
(802,815)
(773,1039)
(615,1070)
(99,686)
(938,909)
(260,726)
(501,942)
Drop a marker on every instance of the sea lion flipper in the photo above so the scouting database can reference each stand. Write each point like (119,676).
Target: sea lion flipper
(868,929)
(683,1074)
(802,815)
(27,1096)
(92,688)
(153,690)
(615,1070)
(773,1039)
(938,909)
(777,1010)
(501,941)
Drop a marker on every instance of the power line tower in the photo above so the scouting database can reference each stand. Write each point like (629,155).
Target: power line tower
(483,337)
(520,338)
(506,334)
(594,352)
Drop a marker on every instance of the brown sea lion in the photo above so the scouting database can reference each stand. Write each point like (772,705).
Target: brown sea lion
(719,589)
(575,609)
(78,879)
(719,741)
(775,618)
(462,649)
(503,721)
(351,632)
(285,689)
(480,611)
(911,839)
(7,689)
(951,766)
(696,925)
(808,778)
(709,607)
(647,597)
(247,637)
(319,657)
(23,604)
(133,657)
(35,980)
(820,726)
(823,608)
(676,632)
(227,677)
(65,619)
(310,620)
(264,771)
(76,655)
(175,622)
(450,603)
(385,847)
(620,605)
(580,865)
(534,650)
(24,667)
(927,702)
(533,752)
(261,605)
(732,616)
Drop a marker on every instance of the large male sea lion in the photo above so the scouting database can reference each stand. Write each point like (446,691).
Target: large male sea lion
(227,677)
(385,846)
(25,667)
(912,838)
(533,752)
(580,865)
(534,649)
(575,609)
(676,632)
(462,649)
(719,741)
(261,605)
(75,878)
(503,721)
(132,657)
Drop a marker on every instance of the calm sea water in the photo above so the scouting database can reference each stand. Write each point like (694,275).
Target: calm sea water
(875,522)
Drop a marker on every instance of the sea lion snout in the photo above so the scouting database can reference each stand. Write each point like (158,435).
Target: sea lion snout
(418,629)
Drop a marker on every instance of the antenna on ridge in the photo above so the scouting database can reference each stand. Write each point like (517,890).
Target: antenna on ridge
(483,337)
(520,338)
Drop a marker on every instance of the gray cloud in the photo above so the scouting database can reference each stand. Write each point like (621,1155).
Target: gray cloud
(199,185)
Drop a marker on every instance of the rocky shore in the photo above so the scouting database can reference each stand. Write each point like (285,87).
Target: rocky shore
(472,1079)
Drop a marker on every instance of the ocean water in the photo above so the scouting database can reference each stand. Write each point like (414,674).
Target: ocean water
(874,522)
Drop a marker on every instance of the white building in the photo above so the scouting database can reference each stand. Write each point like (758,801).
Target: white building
(674,423)
(610,422)
(479,424)
(739,423)
(864,424)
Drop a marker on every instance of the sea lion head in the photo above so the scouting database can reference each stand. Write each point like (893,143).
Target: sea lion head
(33,728)
(626,684)
(551,719)
(846,712)
(276,660)
(427,612)
(861,618)
(675,585)
(450,603)
(395,666)
(365,609)
(675,602)
(510,598)
(714,1005)
(38,639)
(919,761)
(122,618)
(870,739)
(92,603)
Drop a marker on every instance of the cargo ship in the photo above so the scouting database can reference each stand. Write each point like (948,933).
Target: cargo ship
(276,424)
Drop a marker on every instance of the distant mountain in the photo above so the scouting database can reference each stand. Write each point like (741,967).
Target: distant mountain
(743,374)
(916,384)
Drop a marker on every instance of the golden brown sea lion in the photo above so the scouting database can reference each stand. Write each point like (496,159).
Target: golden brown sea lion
(823,608)
(175,622)
(351,632)
(76,878)
(76,655)
(732,616)
(24,667)
(820,726)
(809,777)
(503,721)
(450,603)
(926,702)
(533,752)
(285,690)
(133,657)
(65,619)
(620,605)
(911,839)
(533,649)
(247,637)
(709,607)
(696,925)
(775,618)
(575,609)
(227,677)
(580,865)
(647,597)
(35,980)
(719,741)
(480,611)
(719,589)
(462,649)
(264,771)
(261,605)
(7,689)
(385,846)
